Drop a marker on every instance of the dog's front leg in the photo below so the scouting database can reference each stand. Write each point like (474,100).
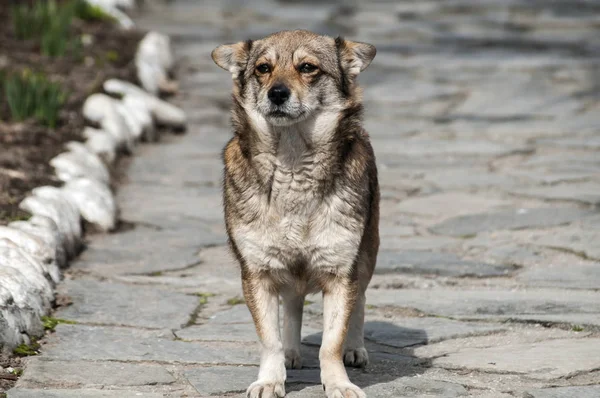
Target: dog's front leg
(339,297)
(263,302)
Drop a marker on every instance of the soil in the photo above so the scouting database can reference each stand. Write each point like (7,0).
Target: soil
(27,147)
(8,377)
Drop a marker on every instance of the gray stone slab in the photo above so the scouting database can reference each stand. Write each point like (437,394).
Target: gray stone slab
(585,192)
(469,225)
(92,373)
(549,177)
(221,379)
(582,241)
(85,393)
(399,243)
(436,263)
(415,387)
(147,250)
(449,204)
(236,314)
(402,387)
(78,342)
(219,332)
(127,305)
(445,148)
(545,360)
(407,332)
(590,142)
(231,379)
(171,206)
(190,172)
(563,275)
(468,179)
(495,303)
(565,392)
(226,332)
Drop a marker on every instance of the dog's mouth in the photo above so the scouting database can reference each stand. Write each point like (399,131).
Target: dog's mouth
(278,113)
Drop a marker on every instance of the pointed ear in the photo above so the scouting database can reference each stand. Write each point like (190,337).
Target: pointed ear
(232,57)
(354,56)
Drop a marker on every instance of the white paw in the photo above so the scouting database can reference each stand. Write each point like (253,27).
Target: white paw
(356,357)
(293,360)
(343,390)
(266,389)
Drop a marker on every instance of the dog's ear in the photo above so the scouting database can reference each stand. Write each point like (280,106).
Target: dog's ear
(232,57)
(354,56)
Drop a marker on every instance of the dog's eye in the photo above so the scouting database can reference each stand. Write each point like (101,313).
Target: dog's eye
(263,68)
(307,68)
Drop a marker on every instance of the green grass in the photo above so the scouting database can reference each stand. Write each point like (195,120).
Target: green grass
(577,328)
(29,21)
(31,94)
(204,297)
(236,300)
(50,322)
(27,350)
(50,24)
(17,372)
(88,12)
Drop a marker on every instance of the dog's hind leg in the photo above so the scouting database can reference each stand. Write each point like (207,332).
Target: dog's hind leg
(263,302)
(355,353)
(293,305)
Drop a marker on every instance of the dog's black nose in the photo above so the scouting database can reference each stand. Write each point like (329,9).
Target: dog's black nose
(279,93)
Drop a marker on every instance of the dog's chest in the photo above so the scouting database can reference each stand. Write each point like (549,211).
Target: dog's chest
(296,223)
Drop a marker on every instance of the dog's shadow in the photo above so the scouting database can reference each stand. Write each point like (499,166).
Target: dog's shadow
(390,357)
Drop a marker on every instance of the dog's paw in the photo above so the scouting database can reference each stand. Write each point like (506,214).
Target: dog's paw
(343,390)
(293,360)
(266,389)
(356,357)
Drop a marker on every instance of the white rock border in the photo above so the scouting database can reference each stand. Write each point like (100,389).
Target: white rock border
(32,252)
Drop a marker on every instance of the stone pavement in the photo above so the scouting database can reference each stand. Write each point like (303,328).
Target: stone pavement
(485,118)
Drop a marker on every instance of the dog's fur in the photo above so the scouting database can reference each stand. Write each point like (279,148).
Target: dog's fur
(301,198)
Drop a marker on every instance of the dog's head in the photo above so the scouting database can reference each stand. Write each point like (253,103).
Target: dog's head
(290,75)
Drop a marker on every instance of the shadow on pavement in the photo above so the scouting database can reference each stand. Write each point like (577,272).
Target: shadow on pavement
(387,362)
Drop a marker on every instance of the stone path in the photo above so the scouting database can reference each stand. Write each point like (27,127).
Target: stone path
(485,117)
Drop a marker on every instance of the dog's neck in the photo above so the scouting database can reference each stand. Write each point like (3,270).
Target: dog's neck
(313,133)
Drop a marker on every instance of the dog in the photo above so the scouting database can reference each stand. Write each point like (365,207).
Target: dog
(301,198)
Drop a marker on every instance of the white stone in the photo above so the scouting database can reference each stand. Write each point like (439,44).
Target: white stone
(102,109)
(46,229)
(101,143)
(60,210)
(36,291)
(162,111)
(94,201)
(36,247)
(153,60)
(140,110)
(78,162)
(111,8)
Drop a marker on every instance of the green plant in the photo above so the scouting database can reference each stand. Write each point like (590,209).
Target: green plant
(51,24)
(50,322)
(88,12)
(235,301)
(32,95)
(27,350)
(29,21)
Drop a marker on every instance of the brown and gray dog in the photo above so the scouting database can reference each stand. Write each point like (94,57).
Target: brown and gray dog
(301,198)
